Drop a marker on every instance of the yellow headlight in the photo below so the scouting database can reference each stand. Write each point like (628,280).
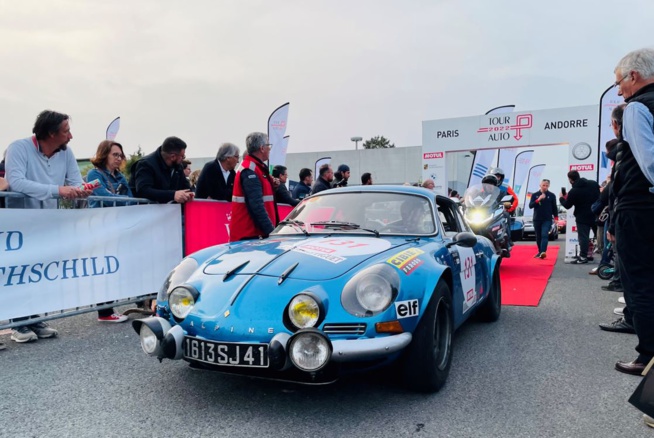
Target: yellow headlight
(303,311)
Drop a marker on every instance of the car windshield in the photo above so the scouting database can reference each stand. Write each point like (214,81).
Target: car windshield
(361,212)
(481,195)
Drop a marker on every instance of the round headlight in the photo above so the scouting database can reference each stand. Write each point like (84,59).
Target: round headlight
(309,351)
(181,301)
(374,293)
(149,341)
(303,311)
(177,276)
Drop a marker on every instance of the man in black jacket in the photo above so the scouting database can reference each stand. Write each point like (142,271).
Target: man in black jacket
(543,202)
(216,180)
(282,195)
(324,181)
(159,176)
(582,195)
(303,188)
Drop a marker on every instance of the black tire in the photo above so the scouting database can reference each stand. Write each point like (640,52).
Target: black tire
(490,310)
(428,358)
(605,272)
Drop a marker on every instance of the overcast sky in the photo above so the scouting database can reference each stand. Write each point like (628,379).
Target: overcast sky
(211,71)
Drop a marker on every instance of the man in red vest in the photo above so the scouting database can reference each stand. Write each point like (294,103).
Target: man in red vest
(254,212)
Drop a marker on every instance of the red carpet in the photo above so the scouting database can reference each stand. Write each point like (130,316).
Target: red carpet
(524,278)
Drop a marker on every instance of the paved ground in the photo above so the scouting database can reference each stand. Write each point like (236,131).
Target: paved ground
(538,372)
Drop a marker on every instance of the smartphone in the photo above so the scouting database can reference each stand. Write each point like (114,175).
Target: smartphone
(563,190)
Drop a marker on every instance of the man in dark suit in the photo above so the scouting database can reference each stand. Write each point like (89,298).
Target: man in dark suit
(216,180)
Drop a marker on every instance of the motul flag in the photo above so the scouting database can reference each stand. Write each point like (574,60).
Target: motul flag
(276,132)
(112,129)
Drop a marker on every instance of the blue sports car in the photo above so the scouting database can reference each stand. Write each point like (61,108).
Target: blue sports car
(353,279)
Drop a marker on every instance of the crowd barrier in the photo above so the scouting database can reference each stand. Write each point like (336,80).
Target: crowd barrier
(65,261)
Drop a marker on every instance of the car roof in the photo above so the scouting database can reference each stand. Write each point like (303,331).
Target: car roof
(409,190)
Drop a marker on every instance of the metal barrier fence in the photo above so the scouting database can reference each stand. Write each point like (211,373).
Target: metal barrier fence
(103,201)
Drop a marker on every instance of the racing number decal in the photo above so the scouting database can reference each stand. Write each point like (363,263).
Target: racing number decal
(468,280)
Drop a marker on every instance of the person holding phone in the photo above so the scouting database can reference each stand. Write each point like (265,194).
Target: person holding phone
(108,160)
(583,194)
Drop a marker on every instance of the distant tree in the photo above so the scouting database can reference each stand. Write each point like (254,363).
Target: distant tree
(378,142)
(133,158)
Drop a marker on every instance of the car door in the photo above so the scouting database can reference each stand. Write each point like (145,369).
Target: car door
(465,268)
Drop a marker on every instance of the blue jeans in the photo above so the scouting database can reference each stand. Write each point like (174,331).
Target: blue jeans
(583,234)
(542,229)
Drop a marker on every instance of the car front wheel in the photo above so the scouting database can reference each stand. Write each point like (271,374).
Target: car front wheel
(428,358)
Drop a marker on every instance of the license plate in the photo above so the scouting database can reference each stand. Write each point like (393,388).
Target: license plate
(229,354)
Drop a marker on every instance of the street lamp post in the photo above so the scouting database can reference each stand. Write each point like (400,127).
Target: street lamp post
(356,141)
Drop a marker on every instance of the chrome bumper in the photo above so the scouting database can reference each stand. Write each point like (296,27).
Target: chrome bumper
(363,349)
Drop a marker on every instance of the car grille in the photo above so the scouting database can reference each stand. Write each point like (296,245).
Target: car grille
(344,329)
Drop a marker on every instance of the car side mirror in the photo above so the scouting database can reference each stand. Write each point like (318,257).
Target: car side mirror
(464,239)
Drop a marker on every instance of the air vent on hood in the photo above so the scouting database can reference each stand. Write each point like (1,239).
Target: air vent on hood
(345,329)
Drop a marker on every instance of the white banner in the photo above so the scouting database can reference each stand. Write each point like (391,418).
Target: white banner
(276,131)
(506,161)
(533,185)
(112,129)
(522,164)
(481,165)
(608,102)
(83,257)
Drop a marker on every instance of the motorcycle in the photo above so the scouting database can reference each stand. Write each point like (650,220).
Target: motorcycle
(485,215)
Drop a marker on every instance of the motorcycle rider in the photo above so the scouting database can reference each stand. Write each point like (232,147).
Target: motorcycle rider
(504,188)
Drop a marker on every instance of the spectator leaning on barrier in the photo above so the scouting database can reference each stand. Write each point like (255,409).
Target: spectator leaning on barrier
(282,195)
(159,176)
(40,167)
(216,180)
(366,179)
(108,160)
(324,180)
(303,189)
(254,212)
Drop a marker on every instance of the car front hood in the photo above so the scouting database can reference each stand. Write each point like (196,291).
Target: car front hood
(314,258)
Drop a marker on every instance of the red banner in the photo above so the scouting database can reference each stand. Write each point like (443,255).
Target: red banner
(206,223)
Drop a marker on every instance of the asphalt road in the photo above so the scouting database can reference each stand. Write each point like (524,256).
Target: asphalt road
(537,372)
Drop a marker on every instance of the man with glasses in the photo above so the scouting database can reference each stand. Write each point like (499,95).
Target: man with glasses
(216,180)
(633,190)
(159,176)
(254,211)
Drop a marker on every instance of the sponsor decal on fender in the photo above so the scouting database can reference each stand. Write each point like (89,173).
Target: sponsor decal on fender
(402,259)
(406,309)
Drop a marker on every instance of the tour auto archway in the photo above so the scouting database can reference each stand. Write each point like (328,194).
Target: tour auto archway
(574,129)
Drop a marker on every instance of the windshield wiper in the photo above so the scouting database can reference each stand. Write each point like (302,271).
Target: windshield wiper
(296,224)
(344,226)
